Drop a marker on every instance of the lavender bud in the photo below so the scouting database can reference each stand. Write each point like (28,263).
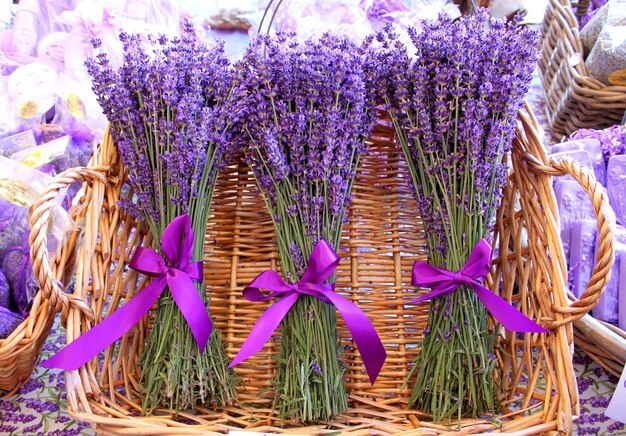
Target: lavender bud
(316,368)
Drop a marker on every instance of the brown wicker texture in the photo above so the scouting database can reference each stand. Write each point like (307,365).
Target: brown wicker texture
(603,342)
(574,100)
(20,351)
(382,240)
(580,8)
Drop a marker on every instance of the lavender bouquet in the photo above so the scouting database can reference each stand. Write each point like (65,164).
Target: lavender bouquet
(454,106)
(170,111)
(307,119)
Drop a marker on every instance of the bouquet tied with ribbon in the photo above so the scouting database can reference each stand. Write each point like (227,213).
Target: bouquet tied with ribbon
(453,98)
(170,111)
(308,116)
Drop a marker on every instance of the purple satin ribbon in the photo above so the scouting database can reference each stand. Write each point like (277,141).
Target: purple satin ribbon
(322,264)
(443,282)
(178,274)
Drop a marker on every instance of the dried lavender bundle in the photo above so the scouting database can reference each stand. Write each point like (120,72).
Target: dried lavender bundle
(170,111)
(454,107)
(308,116)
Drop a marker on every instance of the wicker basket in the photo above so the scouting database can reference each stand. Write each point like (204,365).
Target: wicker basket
(20,351)
(580,8)
(382,240)
(603,342)
(573,99)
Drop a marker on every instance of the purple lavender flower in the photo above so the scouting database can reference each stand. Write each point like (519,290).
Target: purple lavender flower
(295,253)
(42,406)
(316,368)
(170,108)
(31,429)
(612,139)
(616,426)
(306,120)
(8,406)
(30,386)
(455,103)
(62,419)
(583,385)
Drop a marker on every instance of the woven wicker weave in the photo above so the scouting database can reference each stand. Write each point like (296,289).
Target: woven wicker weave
(20,351)
(581,7)
(382,240)
(603,342)
(573,99)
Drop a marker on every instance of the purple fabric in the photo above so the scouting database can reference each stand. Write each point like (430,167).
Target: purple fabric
(178,274)
(443,282)
(77,130)
(322,264)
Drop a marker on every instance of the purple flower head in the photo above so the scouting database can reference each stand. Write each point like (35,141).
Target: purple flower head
(170,107)
(296,257)
(306,117)
(454,97)
(316,368)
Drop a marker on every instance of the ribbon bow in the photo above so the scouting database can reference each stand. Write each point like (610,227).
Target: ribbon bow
(178,274)
(322,264)
(443,282)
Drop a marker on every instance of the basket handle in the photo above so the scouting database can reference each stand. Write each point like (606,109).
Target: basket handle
(606,223)
(39,220)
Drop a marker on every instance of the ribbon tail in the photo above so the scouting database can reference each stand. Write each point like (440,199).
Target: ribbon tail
(264,327)
(363,332)
(109,330)
(511,318)
(191,306)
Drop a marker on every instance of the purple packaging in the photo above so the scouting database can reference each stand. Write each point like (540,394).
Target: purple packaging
(616,186)
(574,205)
(565,146)
(18,272)
(581,156)
(592,147)
(5,291)
(8,322)
(582,248)
(607,307)
(621,313)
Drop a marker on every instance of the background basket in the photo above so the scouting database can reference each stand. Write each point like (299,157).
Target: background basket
(573,99)
(20,351)
(382,240)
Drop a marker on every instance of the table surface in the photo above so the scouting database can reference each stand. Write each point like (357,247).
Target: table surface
(39,408)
